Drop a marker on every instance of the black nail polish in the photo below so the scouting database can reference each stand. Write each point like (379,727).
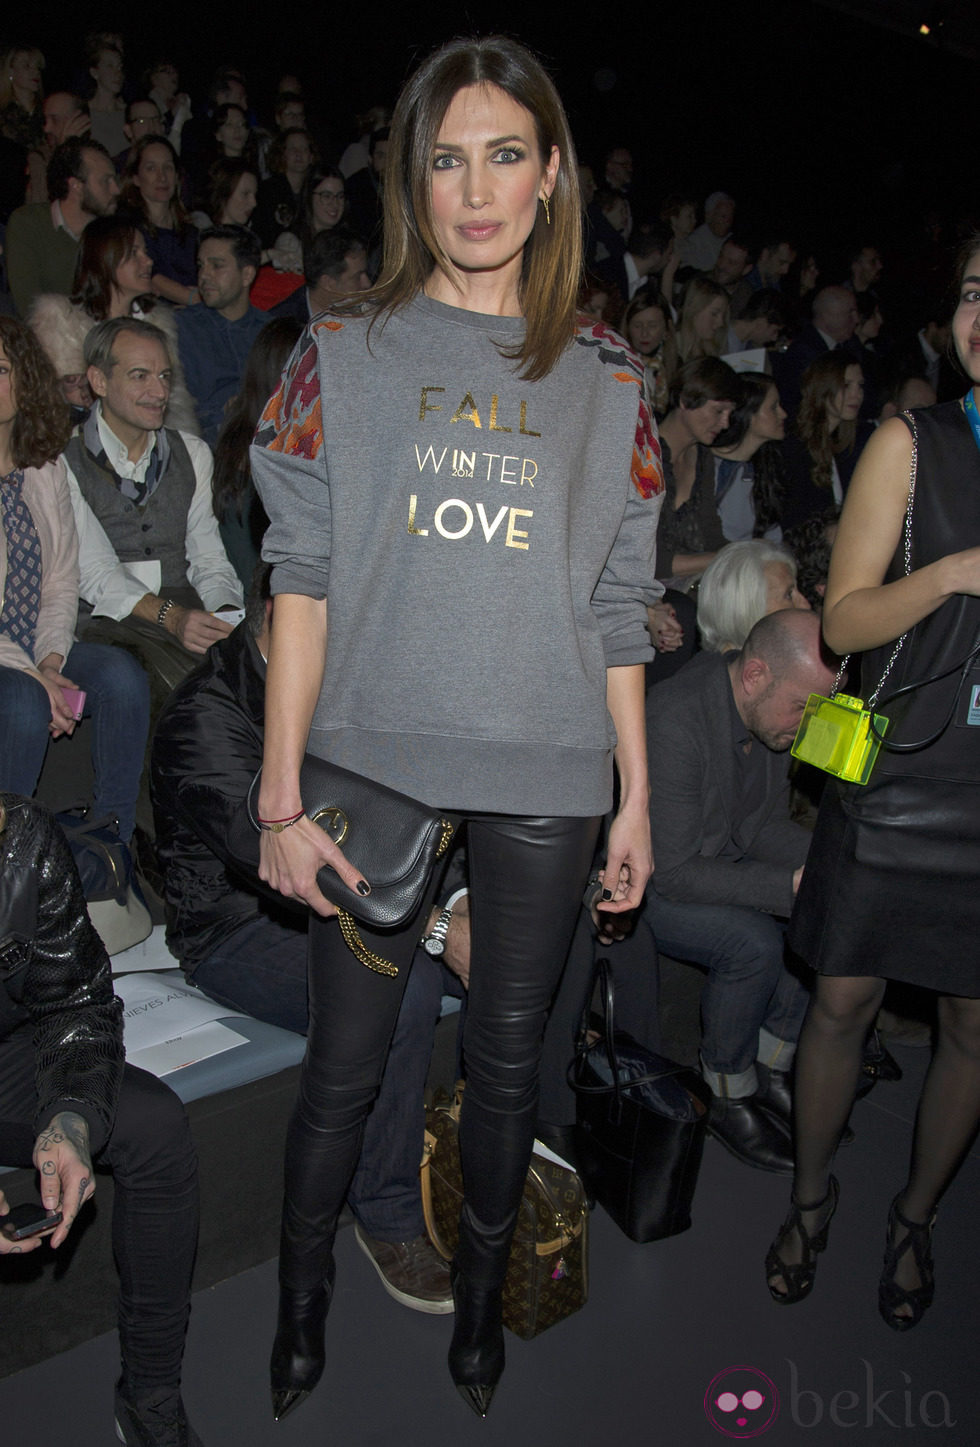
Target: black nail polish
(607,894)
(364,888)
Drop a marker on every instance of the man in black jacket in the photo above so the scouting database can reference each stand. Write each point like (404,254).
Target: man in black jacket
(67,1098)
(246,949)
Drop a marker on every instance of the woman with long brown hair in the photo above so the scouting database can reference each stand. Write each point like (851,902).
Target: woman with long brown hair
(151,194)
(822,452)
(486,640)
(113,278)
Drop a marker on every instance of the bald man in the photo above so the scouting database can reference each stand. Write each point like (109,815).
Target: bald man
(729,862)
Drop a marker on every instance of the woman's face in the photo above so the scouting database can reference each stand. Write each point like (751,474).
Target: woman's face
(328,203)
(769,421)
(8,395)
(966,321)
(156,178)
(134,272)
(868,330)
(241,203)
(845,405)
(25,73)
(647,330)
(781,589)
(165,81)
(232,134)
(108,72)
(297,156)
(683,223)
(709,319)
(709,420)
(487,176)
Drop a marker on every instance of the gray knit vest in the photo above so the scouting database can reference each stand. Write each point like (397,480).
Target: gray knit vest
(156,530)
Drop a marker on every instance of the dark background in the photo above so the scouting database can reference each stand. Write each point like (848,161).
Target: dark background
(836,118)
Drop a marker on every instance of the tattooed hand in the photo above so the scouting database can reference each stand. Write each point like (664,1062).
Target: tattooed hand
(63,1160)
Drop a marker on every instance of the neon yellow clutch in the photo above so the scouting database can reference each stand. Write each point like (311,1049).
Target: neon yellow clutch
(835,735)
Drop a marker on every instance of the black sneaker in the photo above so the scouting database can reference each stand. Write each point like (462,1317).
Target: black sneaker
(155,1419)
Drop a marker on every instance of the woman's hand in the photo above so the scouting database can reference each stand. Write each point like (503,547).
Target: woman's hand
(62,719)
(629,862)
(290,861)
(666,632)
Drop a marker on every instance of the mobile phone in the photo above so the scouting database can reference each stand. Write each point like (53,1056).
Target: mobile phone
(28,1219)
(75,699)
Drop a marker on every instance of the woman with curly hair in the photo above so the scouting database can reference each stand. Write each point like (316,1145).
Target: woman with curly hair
(112,279)
(704,320)
(39,658)
(151,196)
(829,437)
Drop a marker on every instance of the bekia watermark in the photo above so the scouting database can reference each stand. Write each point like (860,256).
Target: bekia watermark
(743,1402)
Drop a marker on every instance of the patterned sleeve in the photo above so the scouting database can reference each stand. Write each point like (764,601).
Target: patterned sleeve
(290,473)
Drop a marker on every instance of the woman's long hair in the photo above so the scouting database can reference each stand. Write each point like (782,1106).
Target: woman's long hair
(106,243)
(769,484)
(42,425)
(552,254)
(822,381)
(701,292)
(223,178)
(7,56)
(266,360)
(131,198)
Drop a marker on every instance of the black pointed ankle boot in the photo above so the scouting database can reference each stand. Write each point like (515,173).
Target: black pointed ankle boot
(476,1354)
(298,1353)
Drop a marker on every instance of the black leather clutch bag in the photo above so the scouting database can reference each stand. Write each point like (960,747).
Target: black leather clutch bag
(393,840)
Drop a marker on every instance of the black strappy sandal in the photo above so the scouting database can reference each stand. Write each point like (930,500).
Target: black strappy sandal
(891,1296)
(799,1275)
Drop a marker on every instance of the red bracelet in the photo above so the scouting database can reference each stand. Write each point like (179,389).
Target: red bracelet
(276,826)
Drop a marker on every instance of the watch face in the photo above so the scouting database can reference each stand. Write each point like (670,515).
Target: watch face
(434,946)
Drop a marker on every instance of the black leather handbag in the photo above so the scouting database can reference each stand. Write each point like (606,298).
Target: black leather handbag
(393,840)
(641,1129)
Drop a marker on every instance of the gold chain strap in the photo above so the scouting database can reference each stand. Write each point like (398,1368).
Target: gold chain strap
(360,951)
(352,938)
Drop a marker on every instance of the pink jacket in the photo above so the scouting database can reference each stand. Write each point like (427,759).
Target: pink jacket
(46,494)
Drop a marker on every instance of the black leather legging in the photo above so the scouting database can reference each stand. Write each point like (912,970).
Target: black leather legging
(526,882)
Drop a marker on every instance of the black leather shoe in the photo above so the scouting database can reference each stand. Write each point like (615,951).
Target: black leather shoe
(297,1353)
(775,1094)
(751,1134)
(476,1355)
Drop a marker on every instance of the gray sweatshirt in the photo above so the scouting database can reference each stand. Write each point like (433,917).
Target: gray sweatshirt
(486,547)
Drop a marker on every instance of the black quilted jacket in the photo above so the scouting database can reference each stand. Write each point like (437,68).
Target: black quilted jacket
(55,973)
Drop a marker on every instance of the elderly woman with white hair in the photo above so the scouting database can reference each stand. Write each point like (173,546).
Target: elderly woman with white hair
(746,581)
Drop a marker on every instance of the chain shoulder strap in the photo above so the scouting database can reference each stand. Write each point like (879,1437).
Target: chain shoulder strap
(913,470)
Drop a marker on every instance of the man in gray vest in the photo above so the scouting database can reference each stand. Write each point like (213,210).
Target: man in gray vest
(152,566)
